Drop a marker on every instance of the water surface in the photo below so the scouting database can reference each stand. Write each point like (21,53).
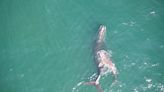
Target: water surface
(46,45)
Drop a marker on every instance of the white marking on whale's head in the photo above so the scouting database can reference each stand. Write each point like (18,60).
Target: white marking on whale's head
(102,31)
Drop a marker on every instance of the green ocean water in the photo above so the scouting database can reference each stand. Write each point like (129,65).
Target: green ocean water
(46,45)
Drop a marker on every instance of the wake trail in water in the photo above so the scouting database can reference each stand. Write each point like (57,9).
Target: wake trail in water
(75,88)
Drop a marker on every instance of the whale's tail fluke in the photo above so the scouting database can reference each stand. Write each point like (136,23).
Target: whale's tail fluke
(95,83)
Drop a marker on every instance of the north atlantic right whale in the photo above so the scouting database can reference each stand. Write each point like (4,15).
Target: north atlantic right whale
(102,58)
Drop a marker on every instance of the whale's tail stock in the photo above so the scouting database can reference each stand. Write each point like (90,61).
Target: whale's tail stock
(95,83)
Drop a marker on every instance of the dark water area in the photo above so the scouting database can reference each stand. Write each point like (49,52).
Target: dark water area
(47,45)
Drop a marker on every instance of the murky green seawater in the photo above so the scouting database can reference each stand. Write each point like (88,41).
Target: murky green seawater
(46,45)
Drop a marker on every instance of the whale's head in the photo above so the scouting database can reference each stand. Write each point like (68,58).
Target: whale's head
(102,31)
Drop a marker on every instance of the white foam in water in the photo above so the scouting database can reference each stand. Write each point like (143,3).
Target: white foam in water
(110,53)
(142,30)
(131,23)
(115,32)
(127,56)
(153,13)
(145,63)
(125,23)
(149,80)
(149,85)
(92,77)
(160,87)
(161,46)
(133,64)
(79,83)
(153,65)
(148,39)
(74,89)
(135,90)
(10,69)
(21,75)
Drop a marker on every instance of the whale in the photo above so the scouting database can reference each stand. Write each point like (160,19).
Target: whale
(103,59)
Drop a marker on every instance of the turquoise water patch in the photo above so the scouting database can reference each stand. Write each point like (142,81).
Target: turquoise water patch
(47,46)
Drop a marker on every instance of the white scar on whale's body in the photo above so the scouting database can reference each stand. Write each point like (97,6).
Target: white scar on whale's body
(106,62)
